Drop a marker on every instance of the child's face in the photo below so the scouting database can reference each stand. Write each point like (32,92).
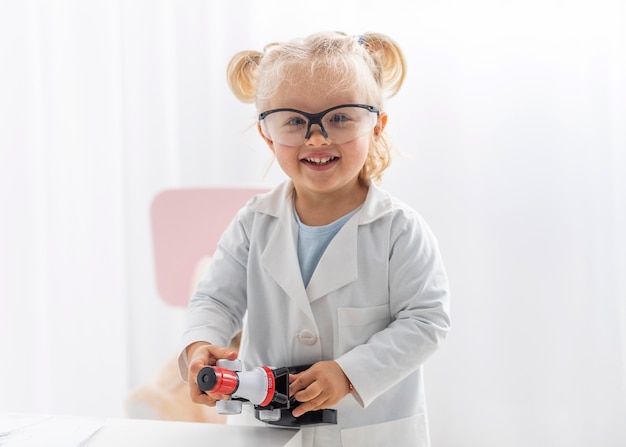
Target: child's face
(318,164)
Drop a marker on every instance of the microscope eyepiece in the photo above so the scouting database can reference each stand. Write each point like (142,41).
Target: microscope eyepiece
(217,380)
(208,379)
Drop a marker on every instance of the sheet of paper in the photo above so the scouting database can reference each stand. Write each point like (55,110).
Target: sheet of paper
(18,430)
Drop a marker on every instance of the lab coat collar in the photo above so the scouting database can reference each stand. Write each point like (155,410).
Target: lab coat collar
(377,203)
(280,258)
(338,265)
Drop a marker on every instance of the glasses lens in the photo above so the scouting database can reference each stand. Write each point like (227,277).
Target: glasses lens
(285,127)
(348,123)
(342,125)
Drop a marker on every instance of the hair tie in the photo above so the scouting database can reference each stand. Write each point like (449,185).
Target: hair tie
(361,39)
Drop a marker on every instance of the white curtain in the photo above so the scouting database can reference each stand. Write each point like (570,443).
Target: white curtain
(512,128)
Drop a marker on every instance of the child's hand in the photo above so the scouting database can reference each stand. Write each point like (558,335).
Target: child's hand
(203,354)
(321,386)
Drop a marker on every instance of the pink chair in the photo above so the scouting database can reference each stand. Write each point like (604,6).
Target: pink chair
(186,226)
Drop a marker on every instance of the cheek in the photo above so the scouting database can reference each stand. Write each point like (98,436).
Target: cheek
(285,156)
(362,147)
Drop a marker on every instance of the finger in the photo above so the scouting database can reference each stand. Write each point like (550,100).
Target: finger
(210,399)
(300,383)
(312,405)
(194,368)
(311,392)
(208,356)
(218,352)
(200,397)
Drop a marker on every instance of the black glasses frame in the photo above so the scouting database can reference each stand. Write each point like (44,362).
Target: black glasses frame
(316,118)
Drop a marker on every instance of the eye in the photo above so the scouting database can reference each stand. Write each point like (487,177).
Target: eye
(339,118)
(295,121)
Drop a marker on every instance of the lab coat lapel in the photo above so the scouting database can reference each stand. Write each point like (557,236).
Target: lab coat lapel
(338,265)
(280,259)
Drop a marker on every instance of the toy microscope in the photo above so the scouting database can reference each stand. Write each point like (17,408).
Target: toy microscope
(265,387)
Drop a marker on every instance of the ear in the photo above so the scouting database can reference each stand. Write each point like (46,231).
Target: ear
(380,124)
(269,142)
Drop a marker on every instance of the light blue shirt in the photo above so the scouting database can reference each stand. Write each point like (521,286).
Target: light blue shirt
(312,242)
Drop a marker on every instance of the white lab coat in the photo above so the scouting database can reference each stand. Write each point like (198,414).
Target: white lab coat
(377,303)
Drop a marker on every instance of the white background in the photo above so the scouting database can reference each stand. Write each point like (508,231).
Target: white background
(512,128)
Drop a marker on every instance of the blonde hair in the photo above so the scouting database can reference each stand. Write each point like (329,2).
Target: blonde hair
(255,77)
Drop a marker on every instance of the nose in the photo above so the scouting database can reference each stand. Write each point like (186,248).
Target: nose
(317,136)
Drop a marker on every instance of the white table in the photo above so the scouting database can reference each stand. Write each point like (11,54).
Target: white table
(72,431)
(137,433)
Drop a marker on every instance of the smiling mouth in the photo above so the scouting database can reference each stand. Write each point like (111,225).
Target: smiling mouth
(320,161)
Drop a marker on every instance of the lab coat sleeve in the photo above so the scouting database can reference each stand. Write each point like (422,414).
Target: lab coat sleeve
(419,311)
(216,309)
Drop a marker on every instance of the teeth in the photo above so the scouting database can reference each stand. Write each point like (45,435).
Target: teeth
(320,161)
